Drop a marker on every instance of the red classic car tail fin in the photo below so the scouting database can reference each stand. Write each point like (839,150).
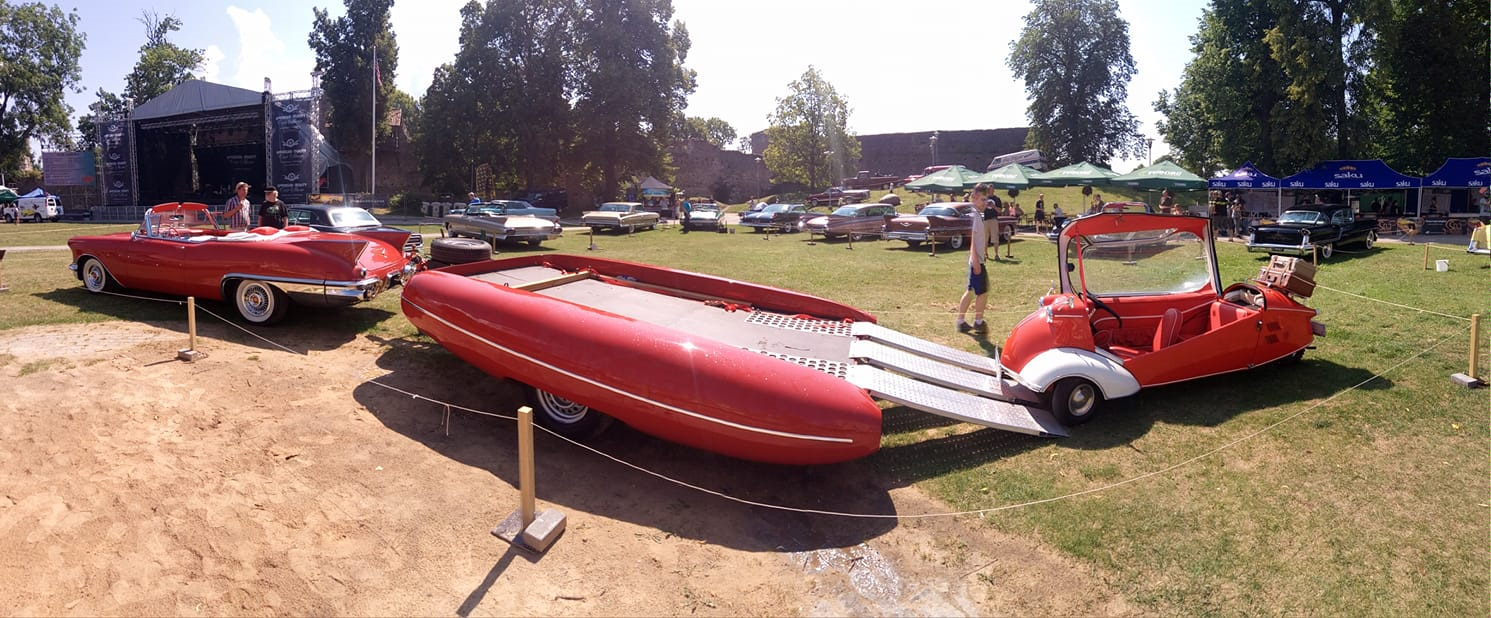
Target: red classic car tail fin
(349,248)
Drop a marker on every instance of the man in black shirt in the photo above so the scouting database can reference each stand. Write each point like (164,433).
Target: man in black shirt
(272,212)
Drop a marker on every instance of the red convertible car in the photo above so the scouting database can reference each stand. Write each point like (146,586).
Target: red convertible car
(179,249)
(1141,305)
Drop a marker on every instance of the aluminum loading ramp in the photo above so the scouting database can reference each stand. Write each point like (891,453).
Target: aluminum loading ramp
(944,381)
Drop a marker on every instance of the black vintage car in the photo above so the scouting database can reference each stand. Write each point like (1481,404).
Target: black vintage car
(780,217)
(345,219)
(1302,230)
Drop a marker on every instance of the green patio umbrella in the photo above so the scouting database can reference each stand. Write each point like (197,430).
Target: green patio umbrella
(1076,174)
(1162,175)
(8,194)
(950,180)
(1012,176)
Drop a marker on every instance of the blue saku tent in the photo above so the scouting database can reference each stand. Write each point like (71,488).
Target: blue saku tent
(1245,177)
(1461,173)
(1371,174)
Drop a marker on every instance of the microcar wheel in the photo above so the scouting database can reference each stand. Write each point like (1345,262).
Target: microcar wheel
(1073,400)
(1326,250)
(565,417)
(260,303)
(1370,240)
(955,242)
(96,278)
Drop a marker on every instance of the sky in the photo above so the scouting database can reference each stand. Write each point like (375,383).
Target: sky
(903,66)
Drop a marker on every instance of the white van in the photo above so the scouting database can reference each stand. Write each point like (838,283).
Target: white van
(1032,158)
(38,209)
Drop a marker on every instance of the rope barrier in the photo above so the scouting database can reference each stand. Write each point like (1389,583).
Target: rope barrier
(1401,306)
(203,310)
(1007,507)
(777,507)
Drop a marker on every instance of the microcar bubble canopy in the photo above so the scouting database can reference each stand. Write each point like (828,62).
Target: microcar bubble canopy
(1134,254)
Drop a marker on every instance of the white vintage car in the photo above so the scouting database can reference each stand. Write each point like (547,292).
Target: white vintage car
(627,216)
(495,223)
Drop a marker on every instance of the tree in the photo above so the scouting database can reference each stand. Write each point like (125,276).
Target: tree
(712,130)
(39,50)
(807,137)
(1073,56)
(1426,102)
(348,49)
(163,65)
(630,86)
(1224,110)
(504,101)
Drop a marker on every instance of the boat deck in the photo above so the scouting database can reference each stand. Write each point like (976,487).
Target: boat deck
(821,344)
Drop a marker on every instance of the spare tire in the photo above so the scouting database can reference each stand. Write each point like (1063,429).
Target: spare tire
(459,250)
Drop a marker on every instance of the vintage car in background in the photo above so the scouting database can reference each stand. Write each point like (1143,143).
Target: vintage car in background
(705,216)
(1108,207)
(931,169)
(351,220)
(778,217)
(1303,230)
(1141,305)
(946,222)
(505,220)
(513,207)
(835,196)
(627,216)
(180,250)
(855,221)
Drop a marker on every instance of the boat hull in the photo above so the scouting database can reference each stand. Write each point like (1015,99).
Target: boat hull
(671,383)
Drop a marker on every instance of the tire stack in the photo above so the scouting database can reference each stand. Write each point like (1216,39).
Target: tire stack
(448,251)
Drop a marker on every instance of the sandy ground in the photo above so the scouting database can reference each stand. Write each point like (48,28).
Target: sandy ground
(257,481)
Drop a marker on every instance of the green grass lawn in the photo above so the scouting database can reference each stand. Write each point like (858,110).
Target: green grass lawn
(1354,482)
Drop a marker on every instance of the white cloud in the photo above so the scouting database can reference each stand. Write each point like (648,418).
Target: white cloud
(212,58)
(262,54)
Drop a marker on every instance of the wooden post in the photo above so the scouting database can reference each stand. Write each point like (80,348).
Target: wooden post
(3,287)
(190,354)
(1314,255)
(592,239)
(932,240)
(525,463)
(1475,345)
(1426,256)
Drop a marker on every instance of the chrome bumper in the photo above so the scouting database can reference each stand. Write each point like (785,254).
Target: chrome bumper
(1295,250)
(922,236)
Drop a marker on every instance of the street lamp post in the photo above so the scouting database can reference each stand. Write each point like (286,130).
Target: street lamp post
(1149,150)
(758,176)
(933,141)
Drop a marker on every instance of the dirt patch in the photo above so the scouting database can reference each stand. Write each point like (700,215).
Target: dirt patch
(257,481)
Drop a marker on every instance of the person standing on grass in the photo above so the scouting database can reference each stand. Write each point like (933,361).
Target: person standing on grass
(992,208)
(977,293)
(236,211)
(1040,212)
(272,213)
(688,213)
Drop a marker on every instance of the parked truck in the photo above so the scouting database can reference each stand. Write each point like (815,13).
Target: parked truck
(867,180)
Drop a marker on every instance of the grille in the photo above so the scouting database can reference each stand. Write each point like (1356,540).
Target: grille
(807,325)
(832,368)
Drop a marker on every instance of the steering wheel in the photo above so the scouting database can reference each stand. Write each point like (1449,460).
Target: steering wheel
(1098,304)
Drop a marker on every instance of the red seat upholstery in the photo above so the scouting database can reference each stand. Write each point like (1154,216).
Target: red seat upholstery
(1169,331)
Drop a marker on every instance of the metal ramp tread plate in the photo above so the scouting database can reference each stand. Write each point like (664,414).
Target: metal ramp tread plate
(953,404)
(924,368)
(966,360)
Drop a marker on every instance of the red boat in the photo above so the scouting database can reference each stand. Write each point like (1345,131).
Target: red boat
(741,369)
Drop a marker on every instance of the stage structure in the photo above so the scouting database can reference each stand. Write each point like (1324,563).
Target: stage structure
(196,141)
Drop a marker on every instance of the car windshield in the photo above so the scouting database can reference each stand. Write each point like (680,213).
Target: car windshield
(848,211)
(1302,216)
(161,224)
(513,204)
(938,211)
(706,208)
(352,217)
(1165,261)
(774,208)
(614,207)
